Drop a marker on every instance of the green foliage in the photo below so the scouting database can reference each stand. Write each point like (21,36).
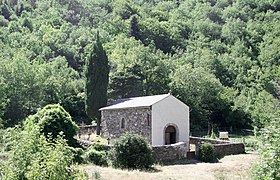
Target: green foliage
(206,153)
(251,144)
(27,87)
(219,57)
(230,46)
(140,70)
(52,120)
(73,104)
(97,154)
(131,151)
(261,106)
(32,156)
(97,77)
(78,154)
(200,90)
(269,149)
(126,84)
(99,147)
(97,157)
(213,135)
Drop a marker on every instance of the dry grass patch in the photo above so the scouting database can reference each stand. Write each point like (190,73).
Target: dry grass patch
(230,167)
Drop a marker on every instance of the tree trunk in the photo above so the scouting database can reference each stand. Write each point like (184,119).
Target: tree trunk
(98,127)
(209,128)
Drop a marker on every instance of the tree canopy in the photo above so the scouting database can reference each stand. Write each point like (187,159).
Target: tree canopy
(221,57)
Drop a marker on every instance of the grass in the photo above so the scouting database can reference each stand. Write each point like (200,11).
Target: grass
(230,167)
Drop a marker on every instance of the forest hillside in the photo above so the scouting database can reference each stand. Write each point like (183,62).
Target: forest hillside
(220,57)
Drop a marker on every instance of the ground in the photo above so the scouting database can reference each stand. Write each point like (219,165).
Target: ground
(230,167)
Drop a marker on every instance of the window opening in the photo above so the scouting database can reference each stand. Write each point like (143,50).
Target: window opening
(122,123)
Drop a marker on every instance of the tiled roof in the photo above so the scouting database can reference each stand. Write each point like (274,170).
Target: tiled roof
(144,101)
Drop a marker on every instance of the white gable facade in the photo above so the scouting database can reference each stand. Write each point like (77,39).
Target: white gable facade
(161,119)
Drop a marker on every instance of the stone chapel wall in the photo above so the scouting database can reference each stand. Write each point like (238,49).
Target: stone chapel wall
(136,120)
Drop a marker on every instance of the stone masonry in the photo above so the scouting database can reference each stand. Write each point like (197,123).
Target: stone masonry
(221,147)
(228,149)
(170,152)
(136,120)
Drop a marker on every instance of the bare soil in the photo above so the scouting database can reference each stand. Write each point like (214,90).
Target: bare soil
(234,167)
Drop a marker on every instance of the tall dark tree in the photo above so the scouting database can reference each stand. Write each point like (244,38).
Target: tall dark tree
(97,77)
(126,84)
(134,30)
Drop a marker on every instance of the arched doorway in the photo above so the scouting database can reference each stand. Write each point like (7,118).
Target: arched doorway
(170,135)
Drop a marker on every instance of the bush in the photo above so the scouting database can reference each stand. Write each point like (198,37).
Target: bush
(251,144)
(78,154)
(96,154)
(32,156)
(53,119)
(269,150)
(206,153)
(99,147)
(131,151)
(96,157)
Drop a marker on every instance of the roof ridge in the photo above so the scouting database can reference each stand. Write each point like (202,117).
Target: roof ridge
(141,101)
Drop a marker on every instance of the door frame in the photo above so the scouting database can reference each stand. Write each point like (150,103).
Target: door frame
(177,132)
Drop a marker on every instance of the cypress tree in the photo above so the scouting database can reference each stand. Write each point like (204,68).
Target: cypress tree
(134,30)
(97,77)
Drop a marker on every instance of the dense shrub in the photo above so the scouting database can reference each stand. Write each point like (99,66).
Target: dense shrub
(78,154)
(99,147)
(269,150)
(251,144)
(52,120)
(96,154)
(131,151)
(96,157)
(207,153)
(32,156)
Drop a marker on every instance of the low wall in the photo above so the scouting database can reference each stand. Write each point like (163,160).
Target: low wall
(221,147)
(86,132)
(195,140)
(87,129)
(228,149)
(170,152)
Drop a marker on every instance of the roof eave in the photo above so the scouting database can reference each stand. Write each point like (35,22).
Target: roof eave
(102,109)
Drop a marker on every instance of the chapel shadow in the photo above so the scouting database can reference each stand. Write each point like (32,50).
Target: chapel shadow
(183,161)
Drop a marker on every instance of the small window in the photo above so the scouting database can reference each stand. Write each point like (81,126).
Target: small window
(122,123)
(148,120)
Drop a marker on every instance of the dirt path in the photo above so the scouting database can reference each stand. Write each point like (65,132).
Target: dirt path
(230,167)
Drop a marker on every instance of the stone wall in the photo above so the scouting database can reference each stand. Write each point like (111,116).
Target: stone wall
(137,120)
(86,132)
(222,147)
(87,129)
(195,140)
(228,149)
(170,152)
